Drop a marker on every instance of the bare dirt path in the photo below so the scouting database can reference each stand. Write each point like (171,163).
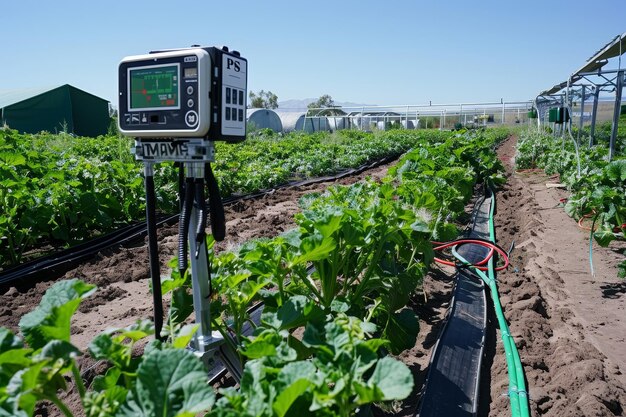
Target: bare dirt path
(570,327)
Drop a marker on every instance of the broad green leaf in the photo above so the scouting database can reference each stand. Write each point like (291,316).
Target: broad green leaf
(294,371)
(106,381)
(22,385)
(9,408)
(234,280)
(314,338)
(58,350)
(8,340)
(136,331)
(572,207)
(604,235)
(419,225)
(375,344)
(367,327)
(336,336)
(315,248)
(51,319)
(252,386)
(184,336)
(401,330)
(293,380)
(364,359)
(172,283)
(616,170)
(302,352)
(288,395)
(291,238)
(285,353)
(259,349)
(367,394)
(170,383)
(20,357)
(181,305)
(329,223)
(339,306)
(104,403)
(12,159)
(104,347)
(297,311)
(393,378)
(445,231)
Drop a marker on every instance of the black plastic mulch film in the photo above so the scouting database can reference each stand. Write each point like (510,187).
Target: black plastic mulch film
(453,381)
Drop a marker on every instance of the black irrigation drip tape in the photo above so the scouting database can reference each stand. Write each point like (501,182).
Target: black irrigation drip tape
(312,181)
(54,265)
(453,380)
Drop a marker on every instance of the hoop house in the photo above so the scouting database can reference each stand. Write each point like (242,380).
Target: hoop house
(264,119)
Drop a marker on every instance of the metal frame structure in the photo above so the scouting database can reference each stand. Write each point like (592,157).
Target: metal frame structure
(468,114)
(591,75)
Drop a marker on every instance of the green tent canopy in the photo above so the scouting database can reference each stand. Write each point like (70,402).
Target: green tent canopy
(64,108)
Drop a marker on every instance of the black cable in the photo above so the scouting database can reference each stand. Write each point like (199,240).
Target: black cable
(153,249)
(187,195)
(181,184)
(202,215)
(216,207)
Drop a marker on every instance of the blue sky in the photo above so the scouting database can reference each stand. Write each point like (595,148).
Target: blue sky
(391,52)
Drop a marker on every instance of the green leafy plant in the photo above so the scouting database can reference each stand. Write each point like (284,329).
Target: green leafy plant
(367,245)
(166,380)
(335,292)
(61,190)
(597,193)
(344,374)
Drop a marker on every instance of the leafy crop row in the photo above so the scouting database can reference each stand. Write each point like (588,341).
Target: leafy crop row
(598,192)
(59,190)
(370,247)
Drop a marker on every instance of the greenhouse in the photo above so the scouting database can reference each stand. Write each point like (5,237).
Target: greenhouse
(264,119)
(61,109)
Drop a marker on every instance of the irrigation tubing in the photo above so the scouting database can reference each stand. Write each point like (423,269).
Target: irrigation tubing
(518,394)
(493,248)
(50,266)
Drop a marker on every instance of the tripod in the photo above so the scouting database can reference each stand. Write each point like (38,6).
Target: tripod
(195,176)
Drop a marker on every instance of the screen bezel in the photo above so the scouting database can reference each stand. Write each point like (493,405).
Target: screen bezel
(129,80)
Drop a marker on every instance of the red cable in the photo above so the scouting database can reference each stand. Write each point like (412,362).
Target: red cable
(586,216)
(492,248)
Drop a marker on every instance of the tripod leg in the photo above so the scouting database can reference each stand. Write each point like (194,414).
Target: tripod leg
(153,249)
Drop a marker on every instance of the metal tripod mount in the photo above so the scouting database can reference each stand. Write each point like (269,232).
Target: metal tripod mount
(175,103)
(195,155)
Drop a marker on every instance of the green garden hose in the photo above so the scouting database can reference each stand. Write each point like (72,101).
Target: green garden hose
(518,395)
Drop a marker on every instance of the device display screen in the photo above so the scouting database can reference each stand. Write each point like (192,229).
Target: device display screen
(154,87)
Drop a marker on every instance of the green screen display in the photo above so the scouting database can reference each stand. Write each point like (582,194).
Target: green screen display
(154,87)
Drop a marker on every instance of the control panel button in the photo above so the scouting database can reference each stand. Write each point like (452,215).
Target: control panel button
(190,90)
(191,118)
(190,103)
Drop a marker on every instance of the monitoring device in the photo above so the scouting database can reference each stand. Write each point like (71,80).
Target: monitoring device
(197,92)
(176,103)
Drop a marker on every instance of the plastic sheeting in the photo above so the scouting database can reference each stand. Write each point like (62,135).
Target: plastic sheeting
(264,119)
